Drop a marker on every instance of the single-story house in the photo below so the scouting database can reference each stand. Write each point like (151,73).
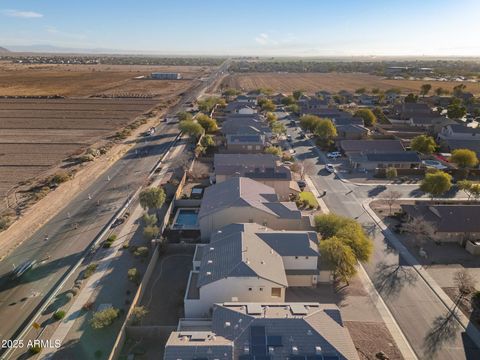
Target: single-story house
(241,199)
(351,132)
(383,160)
(351,147)
(263,168)
(453,144)
(459,132)
(275,331)
(247,99)
(452,222)
(249,262)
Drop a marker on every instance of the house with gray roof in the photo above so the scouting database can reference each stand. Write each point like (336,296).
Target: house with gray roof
(250,262)
(241,199)
(275,331)
(245,133)
(351,147)
(263,168)
(384,160)
(452,222)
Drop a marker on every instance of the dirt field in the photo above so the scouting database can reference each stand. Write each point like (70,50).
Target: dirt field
(36,134)
(312,82)
(89,80)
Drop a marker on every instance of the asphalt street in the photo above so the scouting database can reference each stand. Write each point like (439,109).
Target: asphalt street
(423,318)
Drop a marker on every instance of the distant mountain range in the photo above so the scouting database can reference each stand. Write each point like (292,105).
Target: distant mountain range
(44,48)
(3,50)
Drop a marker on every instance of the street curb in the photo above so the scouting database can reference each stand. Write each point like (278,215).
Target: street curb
(471,330)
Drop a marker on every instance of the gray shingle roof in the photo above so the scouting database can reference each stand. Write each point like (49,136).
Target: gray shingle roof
(405,156)
(244,124)
(237,252)
(464,129)
(365,146)
(245,192)
(254,166)
(448,218)
(291,243)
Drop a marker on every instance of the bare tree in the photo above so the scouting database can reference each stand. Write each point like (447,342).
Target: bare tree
(465,284)
(391,198)
(421,229)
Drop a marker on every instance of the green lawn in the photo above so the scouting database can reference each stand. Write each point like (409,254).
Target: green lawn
(308,199)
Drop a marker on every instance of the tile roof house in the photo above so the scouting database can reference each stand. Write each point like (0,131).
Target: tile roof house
(270,331)
(249,262)
(383,160)
(263,168)
(241,199)
(452,222)
(457,136)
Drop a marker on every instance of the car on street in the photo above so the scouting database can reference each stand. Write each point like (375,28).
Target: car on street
(434,164)
(334,155)
(330,168)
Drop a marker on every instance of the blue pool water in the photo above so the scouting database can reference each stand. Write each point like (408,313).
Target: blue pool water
(186,218)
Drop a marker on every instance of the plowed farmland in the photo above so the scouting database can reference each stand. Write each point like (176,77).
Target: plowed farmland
(36,134)
(333,82)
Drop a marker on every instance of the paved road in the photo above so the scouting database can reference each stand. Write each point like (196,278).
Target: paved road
(60,243)
(418,311)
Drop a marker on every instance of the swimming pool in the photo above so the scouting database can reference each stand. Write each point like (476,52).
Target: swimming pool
(186,219)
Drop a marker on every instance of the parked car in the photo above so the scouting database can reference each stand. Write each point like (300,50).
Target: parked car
(434,164)
(334,154)
(330,168)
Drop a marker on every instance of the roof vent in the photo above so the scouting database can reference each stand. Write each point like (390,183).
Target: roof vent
(209,273)
(212,248)
(227,324)
(262,262)
(246,349)
(309,332)
(294,350)
(318,350)
(209,262)
(271,350)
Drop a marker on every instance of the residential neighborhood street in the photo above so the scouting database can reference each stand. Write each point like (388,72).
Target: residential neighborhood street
(424,319)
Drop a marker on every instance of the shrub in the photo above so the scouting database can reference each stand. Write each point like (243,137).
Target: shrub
(60,177)
(59,315)
(35,349)
(141,251)
(151,232)
(110,240)
(104,318)
(5,222)
(69,296)
(308,199)
(125,245)
(138,313)
(391,173)
(90,270)
(133,275)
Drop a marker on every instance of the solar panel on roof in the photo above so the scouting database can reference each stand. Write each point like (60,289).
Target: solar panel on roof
(259,350)
(296,357)
(246,357)
(258,340)
(274,340)
(257,330)
(315,357)
(330,357)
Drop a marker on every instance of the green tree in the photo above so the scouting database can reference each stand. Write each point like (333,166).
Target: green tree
(353,235)
(207,141)
(464,158)
(381,117)
(152,198)
(274,150)
(151,232)
(137,314)
(375,91)
(411,98)
(297,94)
(288,100)
(441,91)
(456,110)
(294,108)
(459,89)
(470,188)
(309,122)
(325,130)
(436,183)
(133,275)
(423,144)
(207,123)
(191,128)
(367,115)
(278,128)
(360,91)
(207,104)
(184,116)
(230,92)
(104,318)
(328,225)
(425,89)
(149,220)
(271,117)
(340,257)
(391,173)
(268,105)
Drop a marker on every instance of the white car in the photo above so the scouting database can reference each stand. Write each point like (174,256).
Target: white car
(434,164)
(330,168)
(334,154)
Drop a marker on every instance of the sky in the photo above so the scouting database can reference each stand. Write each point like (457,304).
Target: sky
(246,27)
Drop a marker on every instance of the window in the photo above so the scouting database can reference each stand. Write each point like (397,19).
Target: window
(306,257)
(250,289)
(261,289)
(296,257)
(276,292)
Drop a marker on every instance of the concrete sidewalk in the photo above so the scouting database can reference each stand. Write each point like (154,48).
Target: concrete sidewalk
(470,329)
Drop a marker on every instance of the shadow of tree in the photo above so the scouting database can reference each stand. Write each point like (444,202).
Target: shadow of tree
(442,332)
(389,279)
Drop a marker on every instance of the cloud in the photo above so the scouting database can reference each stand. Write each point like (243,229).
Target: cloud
(21,14)
(262,39)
